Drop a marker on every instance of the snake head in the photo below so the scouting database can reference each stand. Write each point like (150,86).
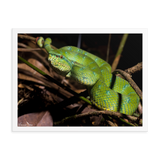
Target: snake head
(40,41)
(48,41)
(60,63)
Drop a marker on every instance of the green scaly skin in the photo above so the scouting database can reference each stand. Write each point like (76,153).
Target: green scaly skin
(107,92)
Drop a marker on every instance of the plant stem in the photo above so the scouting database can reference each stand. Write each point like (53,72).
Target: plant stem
(119,51)
(108,48)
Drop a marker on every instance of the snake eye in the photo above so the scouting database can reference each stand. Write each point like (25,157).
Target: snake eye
(61,56)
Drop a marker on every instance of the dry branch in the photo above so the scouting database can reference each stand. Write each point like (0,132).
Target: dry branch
(46,82)
(134,69)
(96,113)
(29,49)
(45,62)
(26,37)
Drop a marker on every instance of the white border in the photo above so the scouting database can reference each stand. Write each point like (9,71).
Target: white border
(9,81)
(79,30)
(17,31)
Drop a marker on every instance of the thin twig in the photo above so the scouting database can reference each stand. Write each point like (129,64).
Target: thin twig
(26,37)
(136,68)
(29,49)
(140,110)
(45,82)
(42,59)
(96,113)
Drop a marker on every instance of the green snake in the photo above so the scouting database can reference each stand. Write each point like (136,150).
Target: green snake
(107,91)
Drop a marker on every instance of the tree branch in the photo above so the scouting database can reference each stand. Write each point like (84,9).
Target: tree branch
(29,49)
(96,113)
(136,68)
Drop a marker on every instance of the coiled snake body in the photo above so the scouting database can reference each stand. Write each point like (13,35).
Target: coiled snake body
(106,90)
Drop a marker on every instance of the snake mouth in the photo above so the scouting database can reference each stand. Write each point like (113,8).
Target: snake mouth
(58,71)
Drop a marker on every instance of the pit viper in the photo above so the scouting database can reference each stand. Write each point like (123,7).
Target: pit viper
(106,91)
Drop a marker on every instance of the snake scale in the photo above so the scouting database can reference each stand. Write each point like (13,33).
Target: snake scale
(107,91)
